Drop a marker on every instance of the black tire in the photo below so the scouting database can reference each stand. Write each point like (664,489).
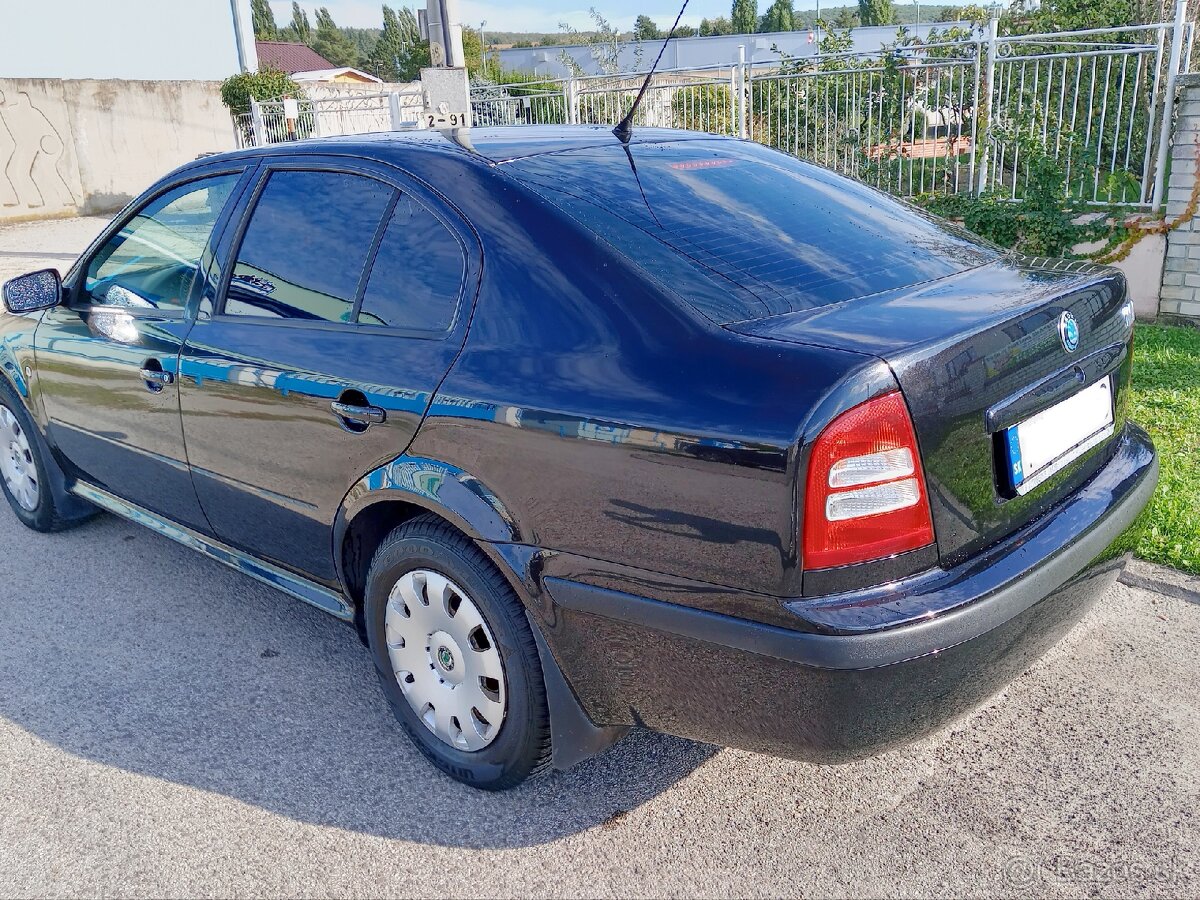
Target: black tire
(45,516)
(521,747)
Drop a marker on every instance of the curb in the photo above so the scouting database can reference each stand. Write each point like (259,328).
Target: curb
(1162,580)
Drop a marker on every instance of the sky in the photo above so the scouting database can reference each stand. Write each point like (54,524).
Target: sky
(531,16)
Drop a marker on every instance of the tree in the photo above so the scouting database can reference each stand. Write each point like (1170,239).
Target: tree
(399,54)
(1069,15)
(846,18)
(298,30)
(744,16)
(719,25)
(472,50)
(876,12)
(683,30)
(604,46)
(644,29)
(331,43)
(265,28)
(968,13)
(780,16)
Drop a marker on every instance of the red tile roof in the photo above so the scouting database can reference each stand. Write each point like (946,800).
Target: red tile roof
(290,58)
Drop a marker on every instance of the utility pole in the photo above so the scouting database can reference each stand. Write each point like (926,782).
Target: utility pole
(445,34)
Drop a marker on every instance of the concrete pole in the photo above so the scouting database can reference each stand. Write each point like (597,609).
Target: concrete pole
(1174,67)
(239,37)
(445,34)
(984,110)
(743,131)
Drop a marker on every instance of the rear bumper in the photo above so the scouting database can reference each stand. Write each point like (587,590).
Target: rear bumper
(856,688)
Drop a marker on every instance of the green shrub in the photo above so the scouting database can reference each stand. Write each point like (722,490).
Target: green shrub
(265,84)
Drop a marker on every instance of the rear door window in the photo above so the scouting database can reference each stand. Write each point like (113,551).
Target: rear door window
(307,246)
(417,277)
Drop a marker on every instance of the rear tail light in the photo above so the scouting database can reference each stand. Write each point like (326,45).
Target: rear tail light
(866,491)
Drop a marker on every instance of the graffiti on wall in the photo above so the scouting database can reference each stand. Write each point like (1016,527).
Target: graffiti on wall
(31,149)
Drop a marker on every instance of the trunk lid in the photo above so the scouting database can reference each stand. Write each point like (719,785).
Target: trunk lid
(975,353)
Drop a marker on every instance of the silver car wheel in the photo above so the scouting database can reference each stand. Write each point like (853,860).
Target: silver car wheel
(16,461)
(445,659)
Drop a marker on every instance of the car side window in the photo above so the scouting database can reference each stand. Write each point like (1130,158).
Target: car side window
(417,276)
(151,262)
(306,246)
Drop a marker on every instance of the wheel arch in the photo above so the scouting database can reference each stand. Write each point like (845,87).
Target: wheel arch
(409,487)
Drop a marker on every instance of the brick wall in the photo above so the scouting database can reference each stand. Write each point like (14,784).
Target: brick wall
(1179,301)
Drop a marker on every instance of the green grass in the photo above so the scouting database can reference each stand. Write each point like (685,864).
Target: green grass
(1166,402)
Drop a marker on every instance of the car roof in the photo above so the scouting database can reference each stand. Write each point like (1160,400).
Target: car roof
(489,145)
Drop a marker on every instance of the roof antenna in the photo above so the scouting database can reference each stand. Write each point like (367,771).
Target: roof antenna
(624,130)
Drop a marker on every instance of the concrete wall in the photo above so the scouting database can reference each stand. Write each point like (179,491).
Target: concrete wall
(720,50)
(70,147)
(1180,299)
(138,39)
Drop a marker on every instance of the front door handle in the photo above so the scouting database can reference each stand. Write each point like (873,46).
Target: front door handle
(360,415)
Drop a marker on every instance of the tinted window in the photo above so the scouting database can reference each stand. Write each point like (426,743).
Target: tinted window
(151,262)
(418,273)
(306,246)
(765,232)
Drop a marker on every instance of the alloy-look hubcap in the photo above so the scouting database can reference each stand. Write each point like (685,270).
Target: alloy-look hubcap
(16,461)
(445,659)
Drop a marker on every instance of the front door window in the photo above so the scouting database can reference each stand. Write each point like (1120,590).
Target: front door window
(152,261)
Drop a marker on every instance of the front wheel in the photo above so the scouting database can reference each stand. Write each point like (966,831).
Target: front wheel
(23,470)
(456,656)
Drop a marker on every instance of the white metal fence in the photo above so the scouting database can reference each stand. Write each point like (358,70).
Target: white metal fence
(978,114)
(269,122)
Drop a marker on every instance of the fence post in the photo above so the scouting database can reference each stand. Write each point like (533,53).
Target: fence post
(394,110)
(315,113)
(983,113)
(740,79)
(571,98)
(1168,109)
(257,125)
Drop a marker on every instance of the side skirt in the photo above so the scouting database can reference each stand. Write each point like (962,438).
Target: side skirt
(288,582)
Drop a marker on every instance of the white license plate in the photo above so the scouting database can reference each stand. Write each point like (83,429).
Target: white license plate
(445,120)
(1043,444)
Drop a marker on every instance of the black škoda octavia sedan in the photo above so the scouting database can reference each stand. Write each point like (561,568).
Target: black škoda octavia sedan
(579,434)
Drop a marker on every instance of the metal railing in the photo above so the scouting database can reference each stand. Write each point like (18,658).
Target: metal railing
(276,121)
(979,114)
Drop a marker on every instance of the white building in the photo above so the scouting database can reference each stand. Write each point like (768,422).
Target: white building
(697,52)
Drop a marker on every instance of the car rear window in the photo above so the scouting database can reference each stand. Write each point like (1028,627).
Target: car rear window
(776,234)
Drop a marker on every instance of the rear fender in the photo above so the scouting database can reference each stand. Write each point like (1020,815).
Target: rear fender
(464,501)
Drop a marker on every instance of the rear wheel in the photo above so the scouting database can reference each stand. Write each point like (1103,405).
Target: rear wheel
(23,471)
(456,656)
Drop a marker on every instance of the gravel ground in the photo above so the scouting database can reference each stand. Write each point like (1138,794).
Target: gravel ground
(46,245)
(169,727)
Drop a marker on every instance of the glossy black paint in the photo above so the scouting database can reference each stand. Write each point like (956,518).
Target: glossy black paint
(585,419)
(892,665)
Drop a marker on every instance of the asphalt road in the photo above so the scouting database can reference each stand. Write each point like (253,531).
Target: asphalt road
(169,727)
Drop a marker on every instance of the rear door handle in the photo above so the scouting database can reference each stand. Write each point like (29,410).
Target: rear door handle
(157,376)
(362,415)
(155,379)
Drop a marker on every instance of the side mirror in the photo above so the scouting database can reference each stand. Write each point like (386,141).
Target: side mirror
(29,293)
